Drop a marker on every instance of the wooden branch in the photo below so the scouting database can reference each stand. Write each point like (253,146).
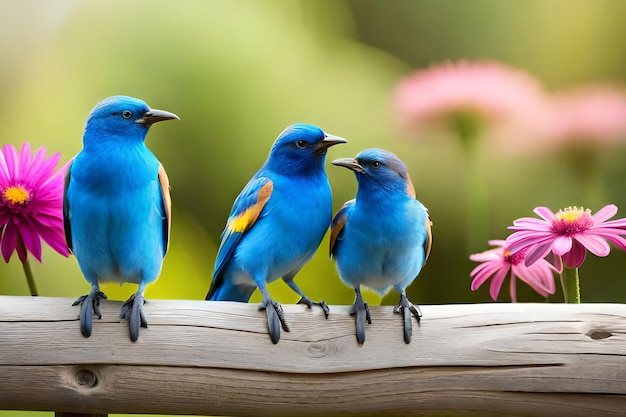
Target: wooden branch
(214,358)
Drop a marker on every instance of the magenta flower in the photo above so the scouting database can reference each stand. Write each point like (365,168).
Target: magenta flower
(568,233)
(31,199)
(492,92)
(497,263)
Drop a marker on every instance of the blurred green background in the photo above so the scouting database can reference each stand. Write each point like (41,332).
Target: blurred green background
(238,71)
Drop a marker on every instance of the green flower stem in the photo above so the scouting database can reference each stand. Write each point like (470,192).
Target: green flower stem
(469,127)
(571,285)
(30,278)
(476,197)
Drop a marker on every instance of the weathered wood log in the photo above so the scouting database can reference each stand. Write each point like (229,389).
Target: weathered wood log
(215,358)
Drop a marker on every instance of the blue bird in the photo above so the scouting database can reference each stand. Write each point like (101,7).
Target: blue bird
(382,238)
(277,223)
(117,206)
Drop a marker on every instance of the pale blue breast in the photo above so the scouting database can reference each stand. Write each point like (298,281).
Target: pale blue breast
(115,214)
(382,247)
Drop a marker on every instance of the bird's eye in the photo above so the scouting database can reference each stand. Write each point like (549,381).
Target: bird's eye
(376,164)
(301,144)
(127,114)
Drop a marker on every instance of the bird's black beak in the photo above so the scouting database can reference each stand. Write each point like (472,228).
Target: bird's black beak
(327,142)
(153,115)
(349,163)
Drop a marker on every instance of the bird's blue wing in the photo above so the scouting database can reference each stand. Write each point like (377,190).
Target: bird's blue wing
(166,206)
(66,208)
(338,223)
(245,212)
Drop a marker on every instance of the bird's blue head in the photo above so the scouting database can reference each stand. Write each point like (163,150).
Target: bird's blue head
(378,169)
(301,148)
(121,119)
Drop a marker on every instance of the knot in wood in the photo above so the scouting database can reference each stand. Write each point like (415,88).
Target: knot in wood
(319,350)
(86,378)
(599,334)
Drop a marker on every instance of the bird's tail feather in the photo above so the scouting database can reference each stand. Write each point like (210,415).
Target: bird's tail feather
(229,292)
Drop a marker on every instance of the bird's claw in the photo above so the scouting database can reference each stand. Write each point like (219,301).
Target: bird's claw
(322,304)
(132,310)
(89,305)
(406,308)
(361,310)
(275,319)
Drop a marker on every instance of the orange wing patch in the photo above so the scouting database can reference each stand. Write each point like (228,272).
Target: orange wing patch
(428,245)
(410,189)
(167,199)
(246,219)
(339,221)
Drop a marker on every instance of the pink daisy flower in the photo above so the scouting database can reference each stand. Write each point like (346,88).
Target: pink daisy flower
(587,117)
(492,92)
(568,233)
(31,200)
(498,262)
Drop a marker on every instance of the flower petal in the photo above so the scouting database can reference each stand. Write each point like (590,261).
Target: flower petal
(562,245)
(593,243)
(530,223)
(496,283)
(576,256)
(538,276)
(23,164)
(10,156)
(545,213)
(4,172)
(9,241)
(538,252)
(55,238)
(604,214)
(30,238)
(519,241)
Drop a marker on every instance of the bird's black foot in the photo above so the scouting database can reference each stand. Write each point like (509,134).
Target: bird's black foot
(407,309)
(89,305)
(361,310)
(132,310)
(275,319)
(322,304)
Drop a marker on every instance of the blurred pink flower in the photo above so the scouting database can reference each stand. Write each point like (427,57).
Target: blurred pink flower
(586,117)
(499,261)
(568,233)
(491,91)
(31,199)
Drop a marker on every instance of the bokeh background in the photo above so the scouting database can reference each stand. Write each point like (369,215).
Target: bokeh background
(238,71)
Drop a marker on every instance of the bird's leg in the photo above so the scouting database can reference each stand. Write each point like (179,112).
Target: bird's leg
(132,310)
(275,315)
(362,312)
(89,305)
(306,300)
(407,308)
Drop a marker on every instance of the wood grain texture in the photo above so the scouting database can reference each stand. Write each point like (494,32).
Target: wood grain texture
(215,358)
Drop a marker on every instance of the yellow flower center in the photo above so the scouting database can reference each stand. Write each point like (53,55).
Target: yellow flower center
(16,195)
(572,214)
(572,220)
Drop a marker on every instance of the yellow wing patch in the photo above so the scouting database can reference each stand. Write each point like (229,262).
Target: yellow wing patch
(246,219)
